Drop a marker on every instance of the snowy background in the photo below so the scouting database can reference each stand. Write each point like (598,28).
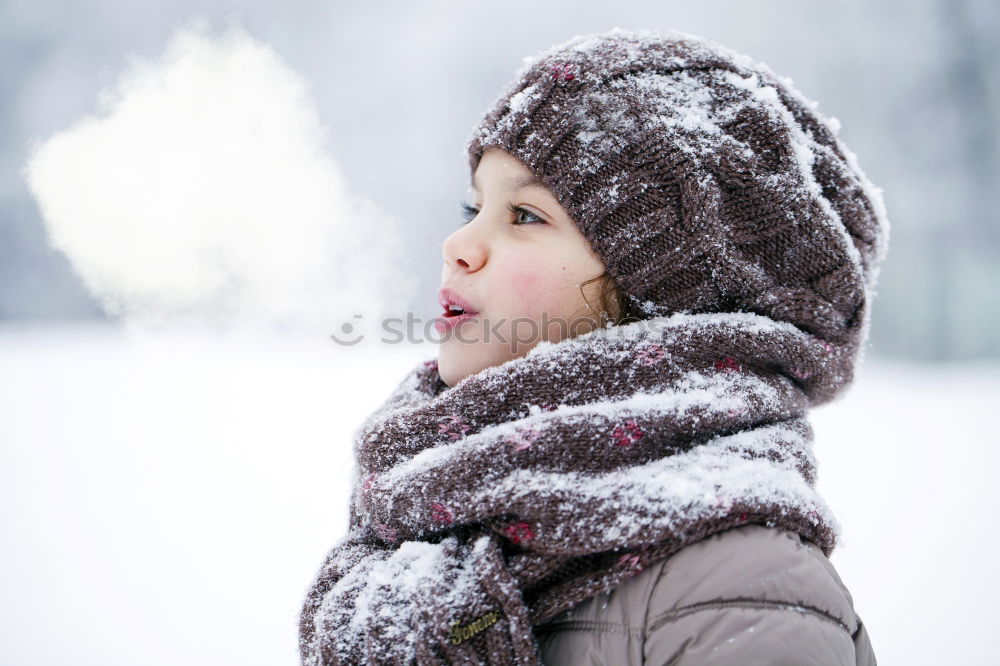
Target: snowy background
(175,418)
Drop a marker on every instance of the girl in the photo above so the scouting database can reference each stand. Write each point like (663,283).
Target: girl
(669,258)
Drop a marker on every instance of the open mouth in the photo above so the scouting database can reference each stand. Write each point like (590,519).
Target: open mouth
(452,318)
(456,311)
(454,305)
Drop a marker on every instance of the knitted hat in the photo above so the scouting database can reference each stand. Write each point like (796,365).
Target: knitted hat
(705,182)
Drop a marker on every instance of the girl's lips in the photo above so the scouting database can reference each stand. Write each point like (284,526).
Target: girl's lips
(448,297)
(445,324)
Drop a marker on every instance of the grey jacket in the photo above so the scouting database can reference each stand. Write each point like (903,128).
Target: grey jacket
(748,595)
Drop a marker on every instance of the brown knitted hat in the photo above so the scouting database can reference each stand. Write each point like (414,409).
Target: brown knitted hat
(704,181)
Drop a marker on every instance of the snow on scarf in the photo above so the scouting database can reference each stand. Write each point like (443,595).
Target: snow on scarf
(484,508)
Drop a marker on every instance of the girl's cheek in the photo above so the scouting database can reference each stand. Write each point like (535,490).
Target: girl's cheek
(535,290)
(524,281)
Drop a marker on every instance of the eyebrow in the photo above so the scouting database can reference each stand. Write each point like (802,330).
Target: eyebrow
(523,182)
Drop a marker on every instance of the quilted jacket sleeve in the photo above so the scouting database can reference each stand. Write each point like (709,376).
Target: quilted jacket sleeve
(761,596)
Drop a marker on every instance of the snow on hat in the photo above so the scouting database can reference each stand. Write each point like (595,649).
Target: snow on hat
(704,181)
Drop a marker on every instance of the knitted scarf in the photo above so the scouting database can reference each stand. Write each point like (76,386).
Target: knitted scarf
(482,509)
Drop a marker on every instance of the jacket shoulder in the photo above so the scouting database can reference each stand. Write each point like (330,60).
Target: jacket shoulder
(753,594)
(749,590)
(764,564)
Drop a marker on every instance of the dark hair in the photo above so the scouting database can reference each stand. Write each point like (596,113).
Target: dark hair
(615,307)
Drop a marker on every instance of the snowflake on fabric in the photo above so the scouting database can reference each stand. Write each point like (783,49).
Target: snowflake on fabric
(367,485)
(519,531)
(454,426)
(563,71)
(441,514)
(827,346)
(385,532)
(627,434)
(727,364)
(522,439)
(651,354)
(723,503)
(541,407)
(738,411)
(630,561)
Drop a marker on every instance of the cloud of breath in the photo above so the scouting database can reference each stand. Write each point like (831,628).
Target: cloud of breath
(202,190)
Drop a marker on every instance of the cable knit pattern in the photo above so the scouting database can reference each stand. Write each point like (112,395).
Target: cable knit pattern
(704,181)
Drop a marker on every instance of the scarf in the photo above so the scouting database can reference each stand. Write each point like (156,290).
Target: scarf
(482,509)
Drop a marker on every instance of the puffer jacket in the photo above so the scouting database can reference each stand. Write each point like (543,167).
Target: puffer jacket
(748,595)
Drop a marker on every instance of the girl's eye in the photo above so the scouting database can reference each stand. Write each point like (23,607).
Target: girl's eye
(517,211)
(469,212)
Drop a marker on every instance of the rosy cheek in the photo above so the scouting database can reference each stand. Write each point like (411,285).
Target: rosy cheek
(532,289)
(526,282)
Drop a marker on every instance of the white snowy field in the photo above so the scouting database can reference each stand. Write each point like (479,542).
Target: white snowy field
(168,501)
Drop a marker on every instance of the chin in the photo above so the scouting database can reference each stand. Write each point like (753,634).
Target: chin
(457,362)
(451,369)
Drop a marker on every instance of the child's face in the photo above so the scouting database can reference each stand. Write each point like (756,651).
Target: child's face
(516,271)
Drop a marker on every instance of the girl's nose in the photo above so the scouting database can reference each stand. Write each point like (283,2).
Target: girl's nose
(463,251)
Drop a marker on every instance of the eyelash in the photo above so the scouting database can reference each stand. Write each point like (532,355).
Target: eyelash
(470,212)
